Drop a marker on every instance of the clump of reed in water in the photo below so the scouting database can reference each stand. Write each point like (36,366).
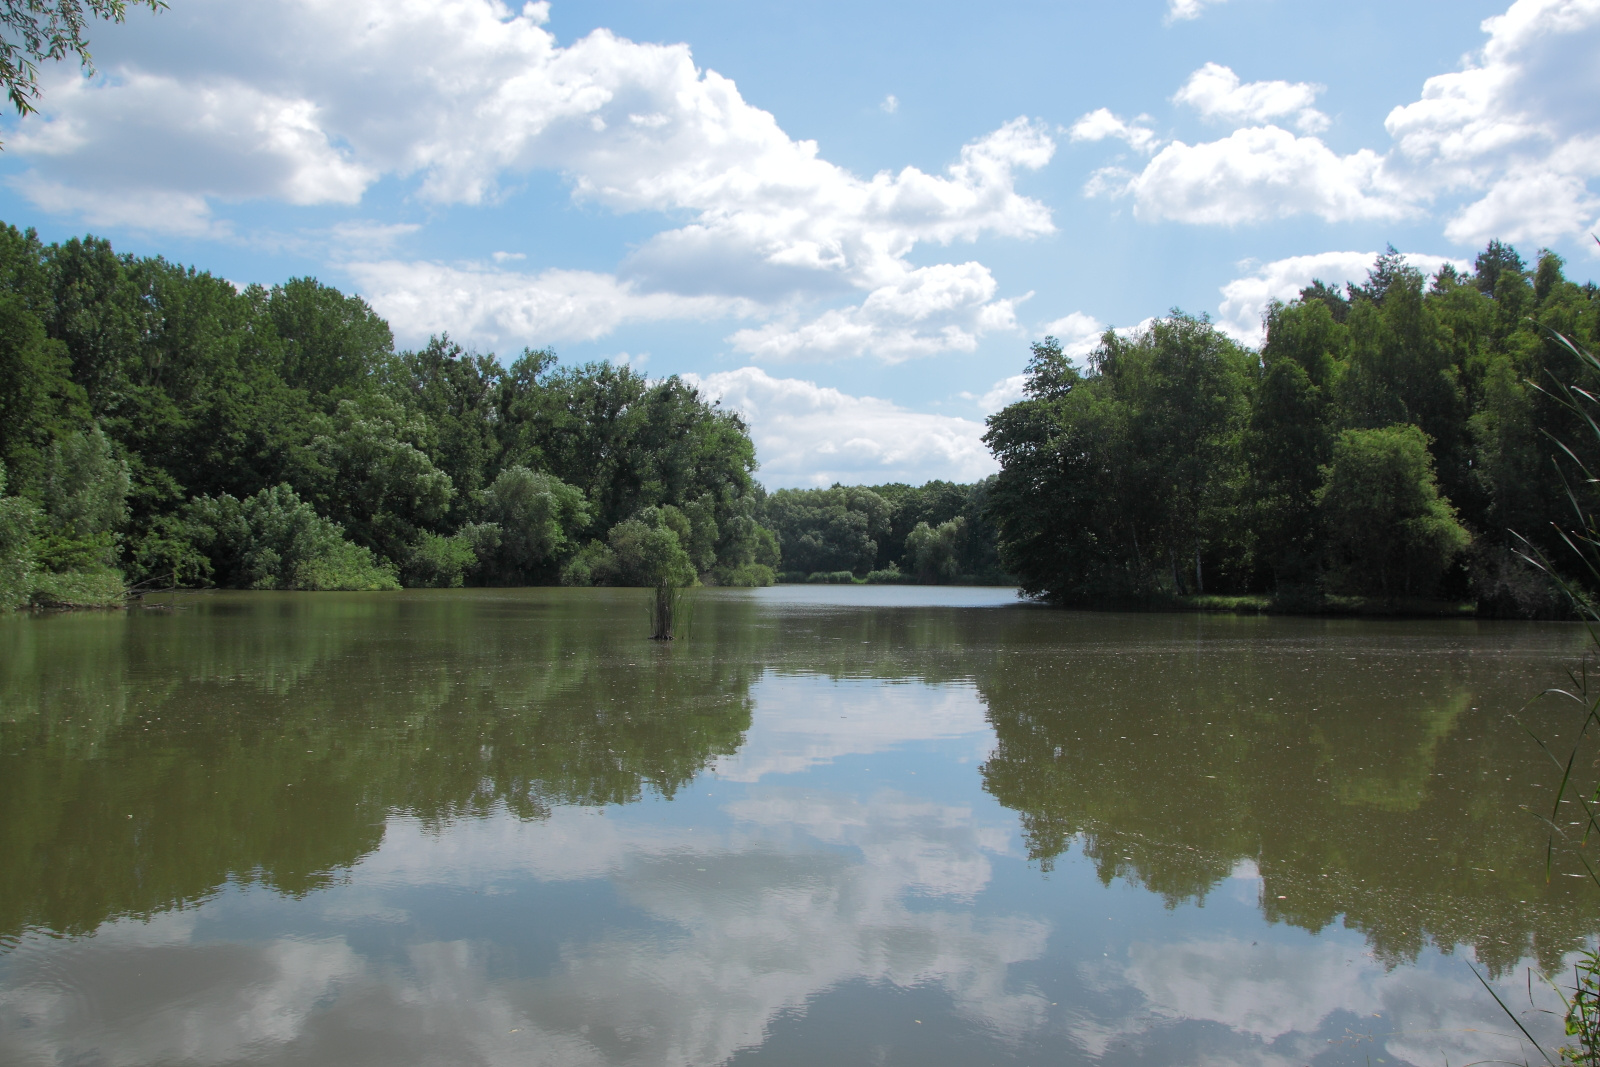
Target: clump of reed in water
(664,611)
(1582,997)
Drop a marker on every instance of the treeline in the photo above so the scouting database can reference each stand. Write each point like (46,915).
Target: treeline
(1393,440)
(932,535)
(160,427)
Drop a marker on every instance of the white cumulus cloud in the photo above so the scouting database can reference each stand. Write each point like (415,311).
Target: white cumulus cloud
(809,435)
(1505,147)
(1100,124)
(1518,123)
(1258,174)
(496,307)
(1077,332)
(1184,10)
(312,101)
(932,309)
(1217,93)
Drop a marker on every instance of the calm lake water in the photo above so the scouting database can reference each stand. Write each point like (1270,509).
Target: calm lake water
(834,825)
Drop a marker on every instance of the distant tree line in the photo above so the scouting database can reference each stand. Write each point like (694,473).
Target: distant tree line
(935,534)
(158,426)
(1391,440)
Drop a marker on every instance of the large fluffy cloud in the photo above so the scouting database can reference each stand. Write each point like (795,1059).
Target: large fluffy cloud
(932,309)
(498,307)
(1255,174)
(1513,134)
(1519,124)
(1217,93)
(460,97)
(808,435)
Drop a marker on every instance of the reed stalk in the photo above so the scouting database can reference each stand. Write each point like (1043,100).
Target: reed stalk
(1582,540)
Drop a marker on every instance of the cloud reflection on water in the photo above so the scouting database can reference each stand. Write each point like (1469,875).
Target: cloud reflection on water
(745,925)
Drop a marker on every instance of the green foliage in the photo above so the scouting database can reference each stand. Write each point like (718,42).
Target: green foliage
(1177,464)
(831,578)
(935,553)
(593,564)
(440,463)
(439,562)
(828,529)
(84,490)
(1388,530)
(746,575)
(84,486)
(39,402)
(1126,481)
(455,393)
(744,541)
(1583,1013)
(19,517)
(275,540)
(94,587)
(538,518)
(331,344)
(1287,441)
(649,550)
(626,441)
(370,474)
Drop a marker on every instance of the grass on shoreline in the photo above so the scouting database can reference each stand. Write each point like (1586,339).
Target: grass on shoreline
(1350,606)
(78,590)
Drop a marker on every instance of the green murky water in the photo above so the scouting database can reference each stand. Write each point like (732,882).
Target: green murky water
(886,826)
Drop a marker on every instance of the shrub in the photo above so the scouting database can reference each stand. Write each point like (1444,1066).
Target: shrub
(274,540)
(1389,530)
(650,553)
(831,578)
(85,493)
(18,519)
(889,575)
(538,516)
(595,564)
(439,562)
(100,588)
(746,575)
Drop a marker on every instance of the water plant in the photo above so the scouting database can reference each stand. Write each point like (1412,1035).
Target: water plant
(1582,539)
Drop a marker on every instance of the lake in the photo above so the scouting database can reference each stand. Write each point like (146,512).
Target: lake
(853,825)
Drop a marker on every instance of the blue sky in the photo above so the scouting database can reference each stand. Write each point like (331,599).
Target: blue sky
(848,220)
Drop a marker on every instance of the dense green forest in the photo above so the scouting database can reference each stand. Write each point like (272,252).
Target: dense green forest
(1395,440)
(158,426)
